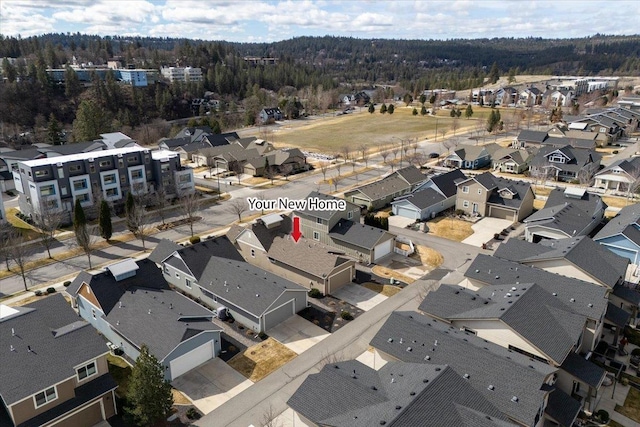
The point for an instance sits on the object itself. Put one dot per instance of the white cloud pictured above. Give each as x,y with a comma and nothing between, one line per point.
134,11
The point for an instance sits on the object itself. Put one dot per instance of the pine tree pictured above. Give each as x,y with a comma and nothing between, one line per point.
79,218
372,109
423,111
53,131
468,112
390,109
104,219
383,109
494,73
415,111
149,394
129,208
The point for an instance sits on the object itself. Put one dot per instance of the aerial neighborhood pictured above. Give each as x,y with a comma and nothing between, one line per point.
284,234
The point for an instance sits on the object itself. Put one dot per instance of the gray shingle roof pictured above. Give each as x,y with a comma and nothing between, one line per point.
583,369
399,395
589,299
629,215
562,408
536,315
306,255
248,287
364,236
446,182
162,251
326,215
196,257
592,258
532,136
382,188
510,373
578,157
617,316
584,143
411,175
423,199
24,373
627,294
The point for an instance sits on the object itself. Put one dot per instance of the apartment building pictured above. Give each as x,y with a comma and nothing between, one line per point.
182,74
105,175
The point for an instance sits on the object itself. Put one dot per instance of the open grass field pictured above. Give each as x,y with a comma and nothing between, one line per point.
330,134
260,360
631,408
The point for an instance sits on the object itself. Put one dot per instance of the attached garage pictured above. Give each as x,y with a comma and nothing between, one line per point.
406,212
502,213
279,314
338,280
190,360
89,416
382,249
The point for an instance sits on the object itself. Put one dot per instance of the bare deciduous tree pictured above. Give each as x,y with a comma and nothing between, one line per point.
86,238
270,173
339,166
345,153
335,181
47,220
160,200
6,231
286,170
238,207
455,125
269,418
19,251
364,153
395,149
585,175
324,166
189,206
140,223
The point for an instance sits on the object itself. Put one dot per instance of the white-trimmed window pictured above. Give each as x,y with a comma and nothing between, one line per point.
87,371
136,174
465,189
48,190
105,163
109,179
83,197
45,396
112,192
41,172
187,282
465,203
75,168
318,220
349,215
316,235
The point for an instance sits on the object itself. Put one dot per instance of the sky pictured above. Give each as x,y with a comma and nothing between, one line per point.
268,21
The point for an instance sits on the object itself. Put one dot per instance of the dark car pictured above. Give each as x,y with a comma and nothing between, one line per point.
433,155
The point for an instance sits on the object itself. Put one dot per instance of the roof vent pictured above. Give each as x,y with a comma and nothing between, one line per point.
149,312
508,294
435,343
466,376
257,295
12,348
497,277
401,341
572,300
514,289
119,304
170,306
555,294
590,305
374,388
514,399
409,349
390,340
413,393
427,357
393,380
398,407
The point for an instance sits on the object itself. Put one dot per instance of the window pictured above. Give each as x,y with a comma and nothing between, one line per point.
166,270
48,190
112,192
319,220
465,189
93,313
131,159
465,203
177,276
92,168
165,167
120,163
187,283
184,178
45,396
316,235
253,253
136,174
123,178
105,163
87,371
479,190
556,158
80,185
75,168
109,179
349,215
82,197
471,331
41,172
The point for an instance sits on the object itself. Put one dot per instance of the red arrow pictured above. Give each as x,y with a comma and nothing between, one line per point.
296,233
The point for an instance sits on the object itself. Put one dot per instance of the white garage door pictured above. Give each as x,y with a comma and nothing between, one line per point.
188,361
406,212
382,249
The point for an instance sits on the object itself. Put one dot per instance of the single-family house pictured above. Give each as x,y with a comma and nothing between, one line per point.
561,130
269,115
497,373
569,212
529,138
187,151
620,176
471,156
267,244
565,163
379,194
599,123
621,235
282,162
216,273
131,304
488,195
558,97
341,229
577,257
529,97
351,394
506,96
512,160
430,198
54,367
527,319
585,298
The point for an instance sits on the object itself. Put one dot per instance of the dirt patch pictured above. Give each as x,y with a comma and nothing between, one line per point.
616,202
450,228
386,290
428,256
539,204
631,408
385,213
389,273
260,360
255,180
541,191
179,398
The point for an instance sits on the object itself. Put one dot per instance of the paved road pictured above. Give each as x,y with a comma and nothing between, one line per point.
347,343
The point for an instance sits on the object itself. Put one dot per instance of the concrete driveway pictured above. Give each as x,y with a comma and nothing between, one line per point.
400,221
211,384
484,230
298,334
363,298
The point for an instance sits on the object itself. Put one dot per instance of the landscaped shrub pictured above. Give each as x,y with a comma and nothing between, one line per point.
193,414
459,212
346,315
51,290
315,293
38,293
66,284
194,240
263,336
602,415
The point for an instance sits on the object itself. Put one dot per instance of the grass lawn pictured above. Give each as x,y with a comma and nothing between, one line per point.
450,228
25,229
538,204
389,273
330,134
258,361
386,290
631,408
428,256
617,202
